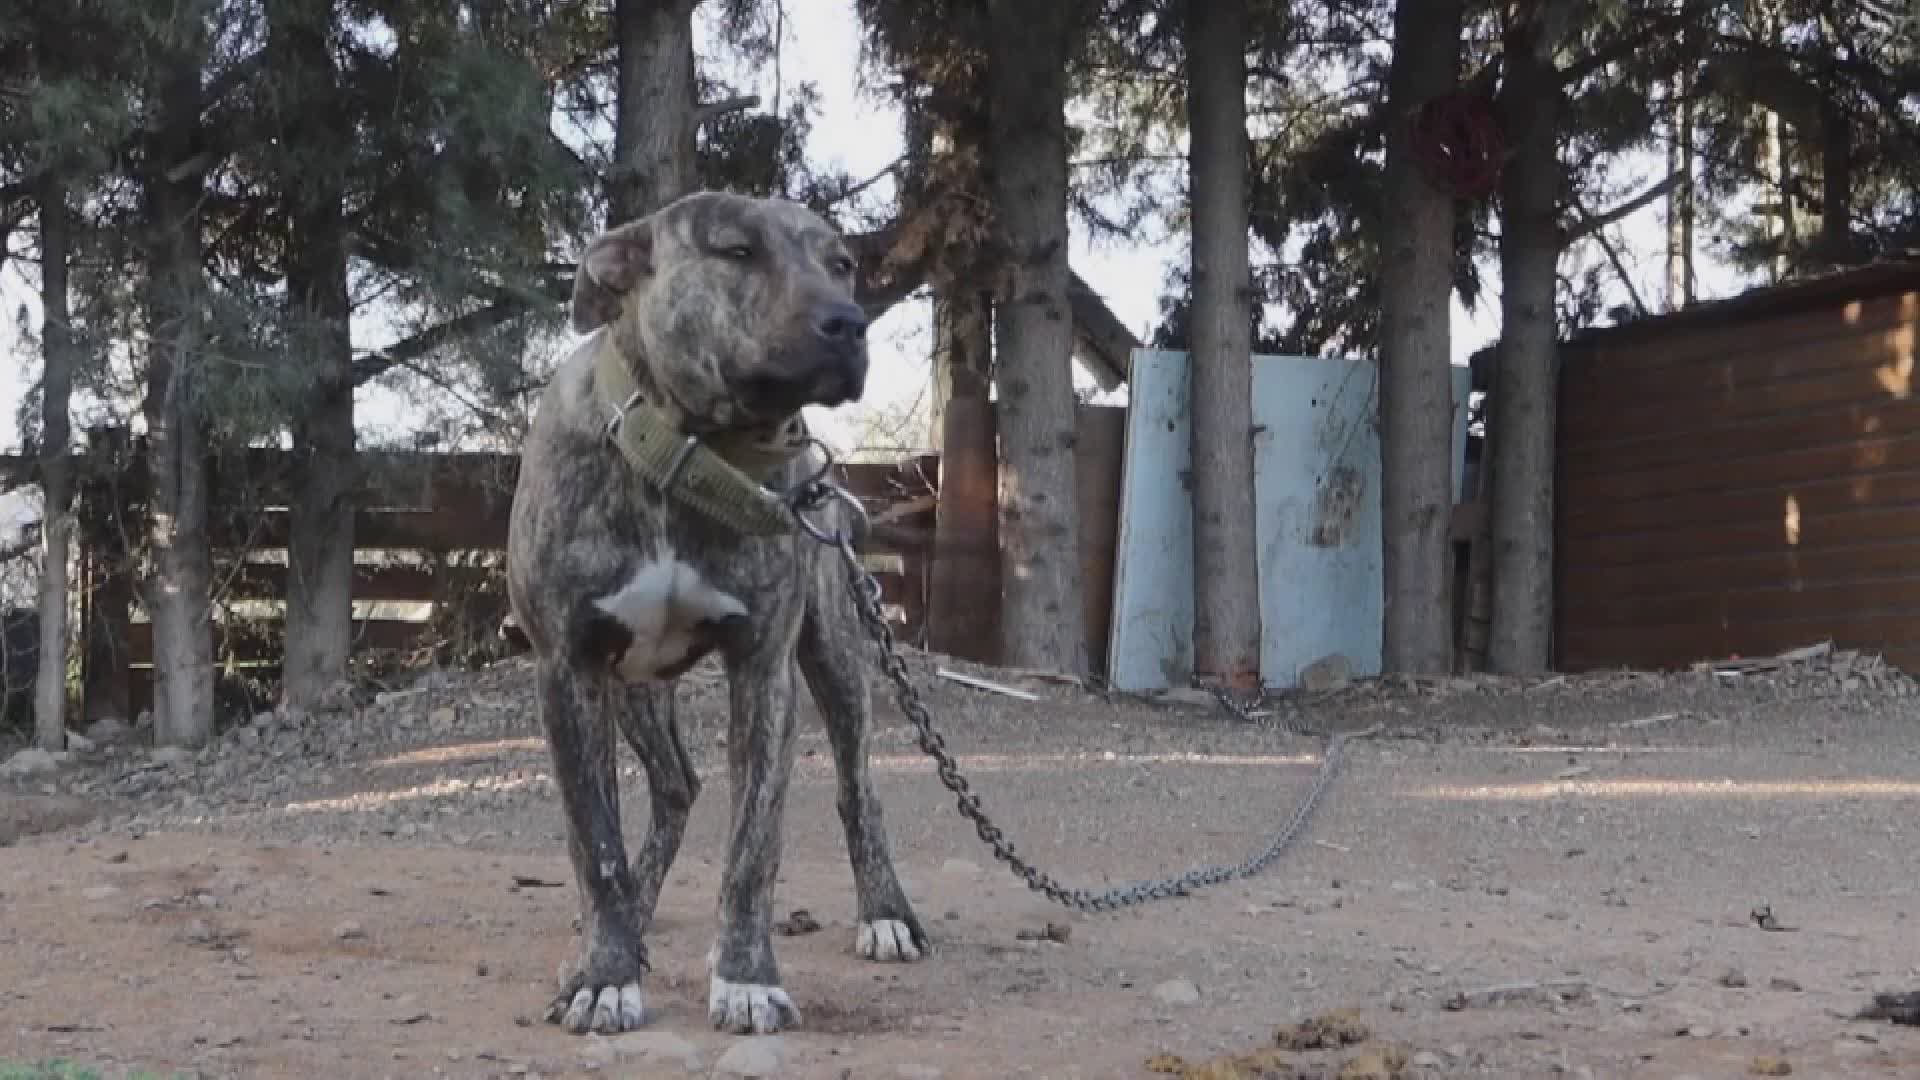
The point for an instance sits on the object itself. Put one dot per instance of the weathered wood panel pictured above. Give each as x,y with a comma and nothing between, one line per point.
1743,485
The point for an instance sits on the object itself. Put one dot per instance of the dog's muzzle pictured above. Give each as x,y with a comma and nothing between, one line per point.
829,369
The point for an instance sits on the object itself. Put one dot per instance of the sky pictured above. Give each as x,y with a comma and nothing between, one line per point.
858,132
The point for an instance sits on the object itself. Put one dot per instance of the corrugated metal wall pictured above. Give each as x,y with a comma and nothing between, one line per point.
1743,482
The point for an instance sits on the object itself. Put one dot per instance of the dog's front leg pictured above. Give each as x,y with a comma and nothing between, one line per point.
744,993
600,990
653,730
831,658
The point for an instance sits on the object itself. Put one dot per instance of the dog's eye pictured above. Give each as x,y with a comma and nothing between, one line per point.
739,252
842,265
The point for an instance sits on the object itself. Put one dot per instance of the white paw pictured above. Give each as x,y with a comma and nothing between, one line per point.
608,1011
749,1008
886,940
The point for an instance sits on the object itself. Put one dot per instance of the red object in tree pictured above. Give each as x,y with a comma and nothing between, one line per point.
1456,138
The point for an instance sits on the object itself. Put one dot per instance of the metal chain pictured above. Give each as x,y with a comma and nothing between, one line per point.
866,595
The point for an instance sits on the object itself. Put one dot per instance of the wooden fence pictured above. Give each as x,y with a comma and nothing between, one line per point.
430,545
1744,477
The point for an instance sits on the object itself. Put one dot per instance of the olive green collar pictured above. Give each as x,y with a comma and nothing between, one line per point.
719,476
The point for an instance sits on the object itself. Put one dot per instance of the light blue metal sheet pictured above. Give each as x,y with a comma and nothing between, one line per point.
1150,641
1316,503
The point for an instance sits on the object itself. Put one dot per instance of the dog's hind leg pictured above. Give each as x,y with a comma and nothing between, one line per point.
744,993
831,656
648,720
600,991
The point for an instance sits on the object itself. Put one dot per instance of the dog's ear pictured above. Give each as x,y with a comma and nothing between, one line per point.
615,262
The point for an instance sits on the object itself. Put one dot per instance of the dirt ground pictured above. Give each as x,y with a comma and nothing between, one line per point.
1550,879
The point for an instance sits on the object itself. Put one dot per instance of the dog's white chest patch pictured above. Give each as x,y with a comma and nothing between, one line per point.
668,607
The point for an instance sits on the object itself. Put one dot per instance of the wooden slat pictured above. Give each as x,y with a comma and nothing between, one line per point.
1761,348
1791,465
1599,518
1706,575
1734,446
367,634
1659,415
268,581
1872,524
1675,645
1830,600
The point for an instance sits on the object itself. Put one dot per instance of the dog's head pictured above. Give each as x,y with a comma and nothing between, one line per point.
743,308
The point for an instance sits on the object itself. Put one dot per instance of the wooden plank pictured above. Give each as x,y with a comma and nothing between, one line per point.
1676,645
1825,532
432,530
1684,354
1584,427
1789,466
1099,455
1599,518
268,581
1732,445
367,634
1708,574
963,593
1900,596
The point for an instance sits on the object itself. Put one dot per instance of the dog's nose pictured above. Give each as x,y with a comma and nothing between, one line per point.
840,323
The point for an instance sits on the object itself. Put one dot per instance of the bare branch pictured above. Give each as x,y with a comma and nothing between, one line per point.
406,351
706,112
1592,223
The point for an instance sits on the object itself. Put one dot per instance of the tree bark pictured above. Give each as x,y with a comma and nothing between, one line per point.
654,123
1416,391
56,465
324,474
180,574
1226,625
1526,379
1041,623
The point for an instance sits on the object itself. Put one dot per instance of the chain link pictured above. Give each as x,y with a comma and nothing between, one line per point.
866,595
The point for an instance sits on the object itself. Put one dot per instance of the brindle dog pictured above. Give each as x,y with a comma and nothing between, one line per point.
727,314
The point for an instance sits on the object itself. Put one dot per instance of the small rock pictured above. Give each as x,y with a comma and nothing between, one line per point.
107,729
78,743
100,892
960,867
642,1046
1784,984
199,932
1427,1059
1769,1065
1734,979
30,762
350,931
755,1056
1331,672
170,755
1188,695
442,719
1177,992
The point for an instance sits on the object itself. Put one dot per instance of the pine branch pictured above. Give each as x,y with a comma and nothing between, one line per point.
1592,223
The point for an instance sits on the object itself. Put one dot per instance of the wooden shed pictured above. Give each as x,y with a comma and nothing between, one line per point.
1743,477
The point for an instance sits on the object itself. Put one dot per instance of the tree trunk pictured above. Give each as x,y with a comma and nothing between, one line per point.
1836,181
1226,602
962,348
319,618
1527,377
1680,201
56,466
180,575
1416,386
653,141
1040,614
